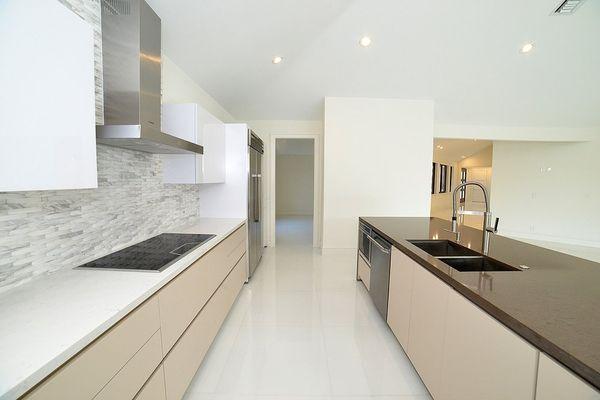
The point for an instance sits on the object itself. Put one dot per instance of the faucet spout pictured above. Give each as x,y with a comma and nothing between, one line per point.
487,229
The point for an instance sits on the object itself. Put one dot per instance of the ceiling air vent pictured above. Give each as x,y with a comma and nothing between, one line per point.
568,7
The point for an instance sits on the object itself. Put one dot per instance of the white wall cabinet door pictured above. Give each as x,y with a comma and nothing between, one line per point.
47,107
482,358
402,271
556,383
191,122
426,328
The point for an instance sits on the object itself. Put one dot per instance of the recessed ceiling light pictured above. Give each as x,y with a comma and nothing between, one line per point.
526,48
277,60
463,156
365,41
440,147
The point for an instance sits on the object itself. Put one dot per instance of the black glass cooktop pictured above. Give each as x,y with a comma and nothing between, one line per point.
154,254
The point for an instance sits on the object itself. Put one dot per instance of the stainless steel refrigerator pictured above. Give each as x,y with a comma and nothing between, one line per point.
255,246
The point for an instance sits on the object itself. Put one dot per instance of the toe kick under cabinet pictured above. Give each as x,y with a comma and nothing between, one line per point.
154,351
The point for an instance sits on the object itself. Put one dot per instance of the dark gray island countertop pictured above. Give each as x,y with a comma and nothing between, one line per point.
555,305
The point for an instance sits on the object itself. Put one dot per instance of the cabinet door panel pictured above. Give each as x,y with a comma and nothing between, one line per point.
426,328
87,373
557,383
154,389
134,374
364,272
186,356
47,107
181,300
482,358
402,270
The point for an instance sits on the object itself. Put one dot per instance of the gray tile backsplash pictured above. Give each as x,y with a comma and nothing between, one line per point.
44,231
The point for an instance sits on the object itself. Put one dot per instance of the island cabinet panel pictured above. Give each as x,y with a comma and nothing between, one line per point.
185,357
426,327
182,299
557,383
483,359
364,272
154,389
84,376
402,270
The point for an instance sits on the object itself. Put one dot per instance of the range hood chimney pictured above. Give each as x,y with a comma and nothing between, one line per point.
131,58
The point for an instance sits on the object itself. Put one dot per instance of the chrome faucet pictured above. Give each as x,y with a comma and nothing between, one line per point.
487,215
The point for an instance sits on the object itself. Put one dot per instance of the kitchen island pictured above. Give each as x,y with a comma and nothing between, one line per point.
551,300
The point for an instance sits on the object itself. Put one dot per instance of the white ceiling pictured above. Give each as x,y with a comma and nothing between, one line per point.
463,54
455,150
295,147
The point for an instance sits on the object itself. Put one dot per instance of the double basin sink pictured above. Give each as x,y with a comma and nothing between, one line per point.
461,258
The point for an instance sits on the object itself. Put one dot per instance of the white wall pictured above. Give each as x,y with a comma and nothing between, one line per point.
267,128
560,204
529,133
294,184
178,87
377,162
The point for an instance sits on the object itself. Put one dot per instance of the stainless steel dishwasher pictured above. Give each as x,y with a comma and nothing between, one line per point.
381,251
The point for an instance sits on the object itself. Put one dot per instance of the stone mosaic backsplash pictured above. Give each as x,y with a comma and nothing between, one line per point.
45,231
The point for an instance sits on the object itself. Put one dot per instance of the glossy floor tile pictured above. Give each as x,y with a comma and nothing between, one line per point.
294,230
304,328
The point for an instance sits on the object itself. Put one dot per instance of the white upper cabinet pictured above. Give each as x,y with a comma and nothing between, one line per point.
193,123
47,106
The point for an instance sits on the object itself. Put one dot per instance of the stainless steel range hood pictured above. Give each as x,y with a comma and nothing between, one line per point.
131,59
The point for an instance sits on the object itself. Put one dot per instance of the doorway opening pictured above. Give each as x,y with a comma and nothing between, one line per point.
294,191
457,161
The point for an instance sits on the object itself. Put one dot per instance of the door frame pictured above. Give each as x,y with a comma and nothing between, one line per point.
316,185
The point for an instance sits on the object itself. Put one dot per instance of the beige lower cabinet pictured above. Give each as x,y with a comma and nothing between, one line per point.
187,354
86,374
181,300
402,271
426,327
554,382
131,360
134,374
154,389
364,272
482,359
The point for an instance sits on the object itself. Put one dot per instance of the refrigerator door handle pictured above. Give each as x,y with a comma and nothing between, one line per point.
256,206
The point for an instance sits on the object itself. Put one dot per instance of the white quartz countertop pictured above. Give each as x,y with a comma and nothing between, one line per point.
45,322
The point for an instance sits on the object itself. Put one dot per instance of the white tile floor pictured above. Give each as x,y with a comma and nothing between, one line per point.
304,328
294,230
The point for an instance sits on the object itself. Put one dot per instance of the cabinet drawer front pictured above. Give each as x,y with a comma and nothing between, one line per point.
154,389
186,356
134,374
401,285
87,373
182,299
364,272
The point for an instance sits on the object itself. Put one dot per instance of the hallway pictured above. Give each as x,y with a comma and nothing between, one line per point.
294,230
304,328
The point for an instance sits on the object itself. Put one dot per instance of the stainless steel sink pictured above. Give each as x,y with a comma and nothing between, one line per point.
443,248
476,263
460,257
